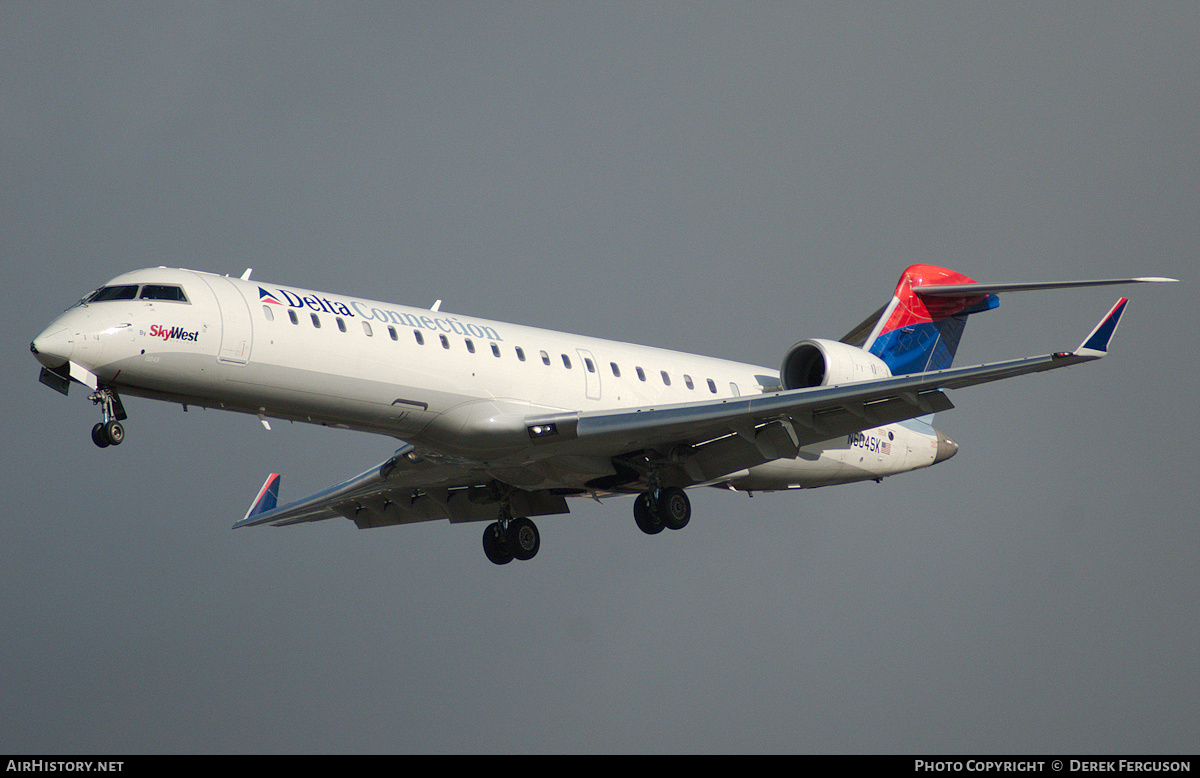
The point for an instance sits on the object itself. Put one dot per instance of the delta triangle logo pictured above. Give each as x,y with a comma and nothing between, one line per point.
266,297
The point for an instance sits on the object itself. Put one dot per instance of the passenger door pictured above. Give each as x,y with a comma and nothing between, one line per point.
236,331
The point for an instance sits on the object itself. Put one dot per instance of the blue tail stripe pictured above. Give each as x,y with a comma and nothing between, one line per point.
920,347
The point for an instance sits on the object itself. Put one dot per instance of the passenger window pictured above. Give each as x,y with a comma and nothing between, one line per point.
392,333
268,313
666,378
687,381
445,341
588,364
616,370
641,374
367,328
470,345
341,323
495,351
316,321
712,387
520,354
292,315
420,338
566,362
545,358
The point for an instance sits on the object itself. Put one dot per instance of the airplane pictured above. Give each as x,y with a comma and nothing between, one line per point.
498,422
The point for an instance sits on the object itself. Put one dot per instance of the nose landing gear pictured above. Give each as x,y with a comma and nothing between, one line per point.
108,432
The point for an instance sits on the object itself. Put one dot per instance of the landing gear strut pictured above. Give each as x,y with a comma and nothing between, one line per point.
108,432
508,539
660,508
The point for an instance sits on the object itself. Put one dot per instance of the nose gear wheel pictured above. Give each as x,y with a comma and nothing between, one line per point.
108,432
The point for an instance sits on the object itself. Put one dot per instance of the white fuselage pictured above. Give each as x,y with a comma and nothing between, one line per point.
455,384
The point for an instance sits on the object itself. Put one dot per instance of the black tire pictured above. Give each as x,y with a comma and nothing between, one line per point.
114,432
98,436
495,545
523,539
647,519
674,508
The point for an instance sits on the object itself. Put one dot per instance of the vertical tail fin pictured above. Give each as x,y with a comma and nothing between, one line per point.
916,332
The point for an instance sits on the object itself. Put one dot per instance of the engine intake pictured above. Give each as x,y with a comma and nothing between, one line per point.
818,362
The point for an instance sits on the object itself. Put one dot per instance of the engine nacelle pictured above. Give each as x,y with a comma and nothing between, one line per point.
818,362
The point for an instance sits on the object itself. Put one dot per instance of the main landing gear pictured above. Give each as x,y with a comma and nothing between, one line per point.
108,432
508,539
656,509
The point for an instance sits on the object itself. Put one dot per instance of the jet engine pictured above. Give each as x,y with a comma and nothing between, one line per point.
818,362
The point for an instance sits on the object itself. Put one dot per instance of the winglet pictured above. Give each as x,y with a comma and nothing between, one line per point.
1096,344
267,499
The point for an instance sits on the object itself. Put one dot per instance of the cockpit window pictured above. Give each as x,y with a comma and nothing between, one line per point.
163,292
106,293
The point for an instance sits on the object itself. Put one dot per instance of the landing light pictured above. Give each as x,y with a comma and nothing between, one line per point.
542,430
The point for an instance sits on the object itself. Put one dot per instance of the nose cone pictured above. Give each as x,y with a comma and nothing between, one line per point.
946,448
53,348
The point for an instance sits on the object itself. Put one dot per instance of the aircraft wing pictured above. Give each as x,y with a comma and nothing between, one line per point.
413,485
702,441
710,439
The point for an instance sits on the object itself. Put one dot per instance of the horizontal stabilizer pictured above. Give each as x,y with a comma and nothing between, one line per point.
920,329
961,290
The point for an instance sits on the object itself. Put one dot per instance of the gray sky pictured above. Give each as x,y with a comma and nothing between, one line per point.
726,179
